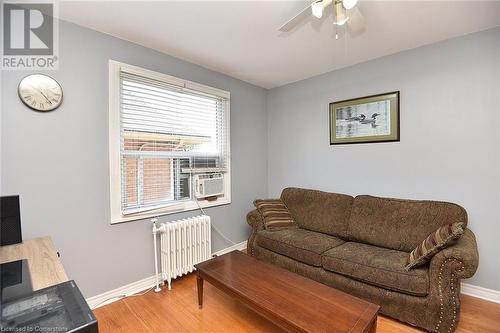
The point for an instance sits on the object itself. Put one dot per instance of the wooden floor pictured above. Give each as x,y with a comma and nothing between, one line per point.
177,311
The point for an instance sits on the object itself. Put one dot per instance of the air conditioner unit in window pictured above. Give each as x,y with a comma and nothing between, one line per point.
208,185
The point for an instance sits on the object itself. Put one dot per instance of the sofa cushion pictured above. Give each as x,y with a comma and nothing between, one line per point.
377,266
302,245
319,211
435,242
276,215
399,224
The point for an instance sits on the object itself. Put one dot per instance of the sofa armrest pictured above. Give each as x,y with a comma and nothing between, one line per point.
256,221
447,268
462,257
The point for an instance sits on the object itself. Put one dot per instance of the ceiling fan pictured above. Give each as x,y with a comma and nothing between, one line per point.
345,12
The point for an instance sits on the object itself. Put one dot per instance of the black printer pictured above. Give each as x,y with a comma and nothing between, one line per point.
58,308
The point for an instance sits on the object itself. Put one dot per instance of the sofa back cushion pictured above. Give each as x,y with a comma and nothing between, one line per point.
318,211
399,224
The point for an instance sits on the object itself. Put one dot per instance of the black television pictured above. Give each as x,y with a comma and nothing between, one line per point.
10,220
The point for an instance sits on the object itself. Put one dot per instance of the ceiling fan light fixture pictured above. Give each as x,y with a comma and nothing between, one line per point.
340,14
317,9
349,4
341,22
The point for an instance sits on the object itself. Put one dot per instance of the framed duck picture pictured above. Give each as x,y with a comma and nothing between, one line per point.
365,120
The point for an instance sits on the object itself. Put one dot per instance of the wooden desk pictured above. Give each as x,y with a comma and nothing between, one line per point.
45,266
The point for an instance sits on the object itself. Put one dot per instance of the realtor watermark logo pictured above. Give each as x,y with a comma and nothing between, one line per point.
30,35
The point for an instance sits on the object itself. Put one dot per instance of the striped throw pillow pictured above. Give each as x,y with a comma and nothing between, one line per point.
435,242
276,215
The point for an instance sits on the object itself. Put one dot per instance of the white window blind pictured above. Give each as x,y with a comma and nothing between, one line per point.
167,133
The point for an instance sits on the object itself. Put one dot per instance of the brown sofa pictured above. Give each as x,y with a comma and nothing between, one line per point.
360,245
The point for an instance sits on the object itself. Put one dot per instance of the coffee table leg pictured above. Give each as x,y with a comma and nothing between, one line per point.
373,329
199,282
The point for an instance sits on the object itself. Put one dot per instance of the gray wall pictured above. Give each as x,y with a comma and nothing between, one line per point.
449,147
58,162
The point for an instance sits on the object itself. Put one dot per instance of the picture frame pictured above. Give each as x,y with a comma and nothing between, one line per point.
368,119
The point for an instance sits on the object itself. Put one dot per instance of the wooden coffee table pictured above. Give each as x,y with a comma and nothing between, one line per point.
291,301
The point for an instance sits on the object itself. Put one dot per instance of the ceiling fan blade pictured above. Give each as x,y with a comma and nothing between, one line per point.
294,21
356,22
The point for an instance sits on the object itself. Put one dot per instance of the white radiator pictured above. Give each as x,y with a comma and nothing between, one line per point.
183,244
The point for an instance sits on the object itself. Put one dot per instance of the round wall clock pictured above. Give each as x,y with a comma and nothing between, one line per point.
40,92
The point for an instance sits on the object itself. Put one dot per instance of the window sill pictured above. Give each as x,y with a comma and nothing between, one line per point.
174,209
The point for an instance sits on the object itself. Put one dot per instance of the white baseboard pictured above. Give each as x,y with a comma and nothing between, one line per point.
480,292
118,293
240,246
141,285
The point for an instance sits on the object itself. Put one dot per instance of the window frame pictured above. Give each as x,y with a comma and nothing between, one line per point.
115,68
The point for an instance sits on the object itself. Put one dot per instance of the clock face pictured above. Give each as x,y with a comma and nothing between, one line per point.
40,92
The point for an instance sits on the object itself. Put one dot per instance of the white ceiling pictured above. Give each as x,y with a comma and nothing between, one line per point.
240,38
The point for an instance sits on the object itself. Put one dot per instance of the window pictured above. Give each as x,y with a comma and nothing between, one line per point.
165,135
